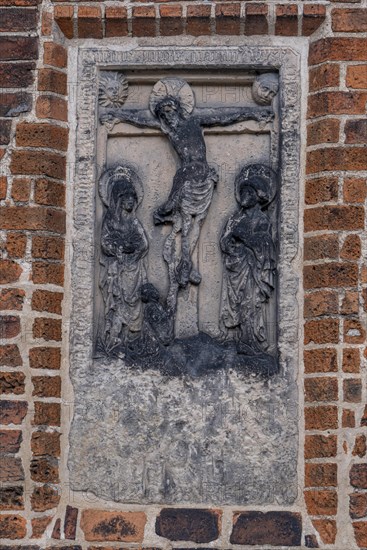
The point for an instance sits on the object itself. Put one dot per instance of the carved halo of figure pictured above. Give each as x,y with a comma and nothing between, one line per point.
249,261
265,88
124,245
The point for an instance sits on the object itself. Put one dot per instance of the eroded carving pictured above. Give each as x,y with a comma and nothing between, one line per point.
265,88
124,245
249,260
113,89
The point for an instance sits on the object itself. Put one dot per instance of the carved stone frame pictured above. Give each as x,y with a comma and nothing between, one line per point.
90,60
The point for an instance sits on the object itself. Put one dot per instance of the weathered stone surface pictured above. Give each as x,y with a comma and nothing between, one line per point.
195,434
99,525
188,524
273,528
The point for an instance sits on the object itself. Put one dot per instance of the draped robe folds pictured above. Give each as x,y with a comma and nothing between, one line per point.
248,276
124,244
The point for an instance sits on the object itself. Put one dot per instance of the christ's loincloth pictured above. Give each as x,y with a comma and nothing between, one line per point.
196,195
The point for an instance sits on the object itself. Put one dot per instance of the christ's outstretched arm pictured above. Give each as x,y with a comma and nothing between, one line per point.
138,117
224,116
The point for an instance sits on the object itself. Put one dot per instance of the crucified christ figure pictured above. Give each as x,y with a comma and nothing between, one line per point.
172,110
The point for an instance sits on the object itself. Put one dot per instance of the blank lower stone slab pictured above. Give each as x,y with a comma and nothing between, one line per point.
139,436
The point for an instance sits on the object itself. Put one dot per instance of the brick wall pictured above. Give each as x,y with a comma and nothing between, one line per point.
36,510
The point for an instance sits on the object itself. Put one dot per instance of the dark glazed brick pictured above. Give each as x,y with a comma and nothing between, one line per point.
187,524
71,516
311,541
18,47
273,528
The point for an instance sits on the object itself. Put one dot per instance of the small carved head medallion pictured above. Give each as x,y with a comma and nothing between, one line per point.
113,89
265,88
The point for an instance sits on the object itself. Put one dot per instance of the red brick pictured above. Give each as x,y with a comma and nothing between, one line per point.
198,19
45,443
48,247
354,332
348,419
52,107
55,55
171,21
330,275
351,249
45,469
64,17
11,498
116,21
35,162
143,21
358,476
356,131
10,271
18,75
46,328
320,446
5,130
227,18
18,19
10,356
323,189
13,412
323,417
89,22
354,190
39,526
11,469
12,383
352,390
50,80
45,358
338,49
18,48
45,300
323,131
356,76
274,528
46,23
46,386
324,76
16,244
12,527
44,498
336,103
320,360
321,503
3,187
45,272
349,20
313,16
351,360
286,23
12,104
49,193
358,505
56,531
71,516
29,134
334,218
364,417
360,446
256,21
360,533
327,530
21,189
320,247
47,413
10,441
32,218
321,475
100,525
321,389
9,326
321,303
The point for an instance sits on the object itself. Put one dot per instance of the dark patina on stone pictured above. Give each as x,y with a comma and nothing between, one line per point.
275,528
188,524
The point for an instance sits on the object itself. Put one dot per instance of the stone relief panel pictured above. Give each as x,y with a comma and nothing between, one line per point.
185,386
